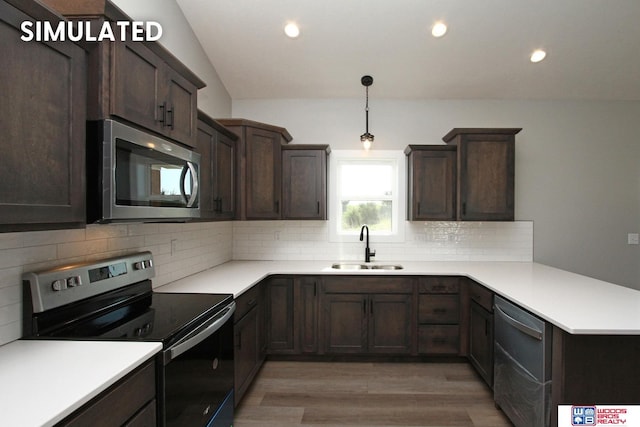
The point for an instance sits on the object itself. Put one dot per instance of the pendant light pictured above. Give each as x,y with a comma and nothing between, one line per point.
366,137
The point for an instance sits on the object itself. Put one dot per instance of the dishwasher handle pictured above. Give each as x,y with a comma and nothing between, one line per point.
191,341
532,332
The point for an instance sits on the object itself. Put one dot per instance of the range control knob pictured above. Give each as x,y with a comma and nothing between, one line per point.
74,281
142,265
58,285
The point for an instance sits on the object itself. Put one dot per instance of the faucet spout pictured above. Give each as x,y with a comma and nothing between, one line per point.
368,253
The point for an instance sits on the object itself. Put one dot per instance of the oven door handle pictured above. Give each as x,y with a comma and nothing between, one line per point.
200,335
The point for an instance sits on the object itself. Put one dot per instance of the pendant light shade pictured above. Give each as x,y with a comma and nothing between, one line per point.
366,137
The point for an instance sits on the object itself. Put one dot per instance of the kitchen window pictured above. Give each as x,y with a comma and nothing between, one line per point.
367,188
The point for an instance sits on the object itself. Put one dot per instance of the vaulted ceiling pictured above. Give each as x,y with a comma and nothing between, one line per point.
593,48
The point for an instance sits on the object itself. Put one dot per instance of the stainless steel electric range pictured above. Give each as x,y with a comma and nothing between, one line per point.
112,299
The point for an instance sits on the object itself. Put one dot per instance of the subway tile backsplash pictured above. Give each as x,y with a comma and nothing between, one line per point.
424,241
180,250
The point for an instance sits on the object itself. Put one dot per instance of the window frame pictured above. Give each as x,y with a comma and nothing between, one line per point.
399,198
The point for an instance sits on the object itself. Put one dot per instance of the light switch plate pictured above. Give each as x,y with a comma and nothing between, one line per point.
633,238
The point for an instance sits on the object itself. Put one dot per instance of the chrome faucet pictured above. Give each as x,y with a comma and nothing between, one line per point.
368,253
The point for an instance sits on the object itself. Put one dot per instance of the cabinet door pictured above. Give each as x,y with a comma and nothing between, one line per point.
432,185
263,174
306,300
246,355
42,123
181,107
224,177
304,184
280,318
205,147
137,91
486,186
345,323
390,323
481,341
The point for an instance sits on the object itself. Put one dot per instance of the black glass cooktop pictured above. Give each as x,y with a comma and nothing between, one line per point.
153,316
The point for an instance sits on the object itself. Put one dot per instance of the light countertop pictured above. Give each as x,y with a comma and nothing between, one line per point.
44,381
575,303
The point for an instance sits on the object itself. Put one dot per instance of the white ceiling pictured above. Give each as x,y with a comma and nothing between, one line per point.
593,48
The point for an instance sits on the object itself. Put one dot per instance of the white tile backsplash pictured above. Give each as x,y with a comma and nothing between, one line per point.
424,241
180,250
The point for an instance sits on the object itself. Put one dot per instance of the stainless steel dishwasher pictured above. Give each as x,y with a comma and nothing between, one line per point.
522,365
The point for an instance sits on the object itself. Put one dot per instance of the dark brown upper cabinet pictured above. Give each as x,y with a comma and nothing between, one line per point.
469,179
42,123
139,82
486,172
304,181
259,168
432,182
217,148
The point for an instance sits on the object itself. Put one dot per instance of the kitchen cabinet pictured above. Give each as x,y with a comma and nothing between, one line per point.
481,330
439,316
368,315
248,333
217,148
304,181
485,172
130,402
43,110
259,168
306,299
432,182
139,82
279,293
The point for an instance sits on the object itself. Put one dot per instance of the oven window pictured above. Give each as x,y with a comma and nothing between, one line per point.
147,177
198,384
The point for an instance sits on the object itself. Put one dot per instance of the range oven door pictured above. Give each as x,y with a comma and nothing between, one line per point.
197,376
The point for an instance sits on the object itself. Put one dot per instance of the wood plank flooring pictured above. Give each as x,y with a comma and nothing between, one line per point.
287,394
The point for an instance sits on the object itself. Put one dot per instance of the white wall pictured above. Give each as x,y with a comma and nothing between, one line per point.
180,40
577,163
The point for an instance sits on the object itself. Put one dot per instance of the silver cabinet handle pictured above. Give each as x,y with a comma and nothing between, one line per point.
193,340
533,333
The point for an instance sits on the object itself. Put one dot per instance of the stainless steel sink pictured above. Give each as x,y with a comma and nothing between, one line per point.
386,267
349,266
358,266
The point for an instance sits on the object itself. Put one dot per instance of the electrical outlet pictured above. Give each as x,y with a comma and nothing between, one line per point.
633,238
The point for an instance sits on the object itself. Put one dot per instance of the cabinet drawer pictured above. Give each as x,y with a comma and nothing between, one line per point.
121,403
367,285
246,302
481,295
439,285
440,339
439,309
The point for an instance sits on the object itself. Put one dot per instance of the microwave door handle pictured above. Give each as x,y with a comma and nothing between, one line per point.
194,179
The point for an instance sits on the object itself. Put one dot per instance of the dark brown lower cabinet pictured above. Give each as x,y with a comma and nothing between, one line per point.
481,331
368,315
439,316
306,296
130,402
248,338
280,315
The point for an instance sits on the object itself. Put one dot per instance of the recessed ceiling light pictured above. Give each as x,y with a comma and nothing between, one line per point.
538,55
439,29
292,30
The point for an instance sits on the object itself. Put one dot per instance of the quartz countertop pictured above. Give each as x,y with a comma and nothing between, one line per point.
575,303
44,381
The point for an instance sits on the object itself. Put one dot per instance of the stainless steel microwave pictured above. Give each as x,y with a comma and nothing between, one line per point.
135,176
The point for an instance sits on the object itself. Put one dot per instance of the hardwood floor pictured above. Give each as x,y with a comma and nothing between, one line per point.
287,394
